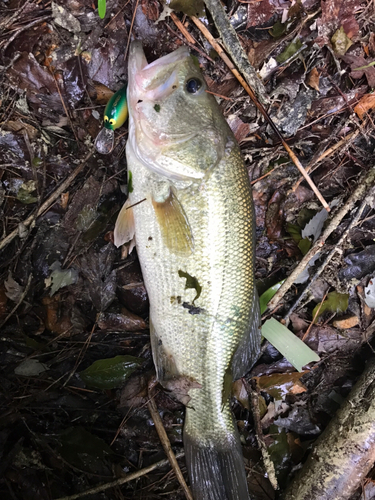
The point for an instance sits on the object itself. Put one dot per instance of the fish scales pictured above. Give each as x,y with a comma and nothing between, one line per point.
204,312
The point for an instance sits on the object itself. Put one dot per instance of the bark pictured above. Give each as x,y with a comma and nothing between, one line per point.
345,452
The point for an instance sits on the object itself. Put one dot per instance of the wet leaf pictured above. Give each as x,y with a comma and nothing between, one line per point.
278,29
295,231
30,368
291,49
25,195
341,42
125,321
335,302
240,393
346,323
290,346
365,105
61,277
267,296
14,291
304,245
279,385
360,66
110,373
359,264
84,450
313,79
188,7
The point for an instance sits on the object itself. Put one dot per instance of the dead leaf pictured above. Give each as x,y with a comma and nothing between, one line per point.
313,79
365,104
14,291
64,200
240,393
341,42
180,387
126,321
357,62
344,324
280,384
240,129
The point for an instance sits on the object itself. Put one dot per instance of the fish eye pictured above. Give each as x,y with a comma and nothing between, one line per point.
112,121
105,119
193,85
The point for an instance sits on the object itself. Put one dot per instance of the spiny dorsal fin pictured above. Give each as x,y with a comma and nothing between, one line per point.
174,225
124,227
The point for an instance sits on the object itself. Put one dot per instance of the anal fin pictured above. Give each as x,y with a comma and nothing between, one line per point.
167,373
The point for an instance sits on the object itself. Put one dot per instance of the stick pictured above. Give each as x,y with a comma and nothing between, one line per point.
122,480
166,443
182,28
345,452
49,201
259,105
367,180
234,48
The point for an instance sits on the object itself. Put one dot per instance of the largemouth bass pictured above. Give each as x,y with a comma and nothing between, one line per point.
190,210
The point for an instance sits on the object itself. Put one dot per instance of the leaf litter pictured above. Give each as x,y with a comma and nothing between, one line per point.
317,68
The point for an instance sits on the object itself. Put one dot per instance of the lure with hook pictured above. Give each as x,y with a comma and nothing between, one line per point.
115,115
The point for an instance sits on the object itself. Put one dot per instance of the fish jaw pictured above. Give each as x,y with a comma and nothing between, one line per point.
155,92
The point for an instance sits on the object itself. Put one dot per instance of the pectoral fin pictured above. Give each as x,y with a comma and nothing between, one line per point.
124,228
174,225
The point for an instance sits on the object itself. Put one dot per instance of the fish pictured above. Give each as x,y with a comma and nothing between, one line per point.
190,212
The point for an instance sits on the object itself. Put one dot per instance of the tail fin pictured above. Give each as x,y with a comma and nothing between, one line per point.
216,470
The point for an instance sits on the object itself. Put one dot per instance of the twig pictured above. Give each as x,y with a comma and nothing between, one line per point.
268,464
166,443
122,480
131,29
49,201
314,163
24,28
182,28
258,104
27,287
234,48
367,180
305,335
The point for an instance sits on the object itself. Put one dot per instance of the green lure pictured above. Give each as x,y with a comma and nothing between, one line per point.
116,111
115,115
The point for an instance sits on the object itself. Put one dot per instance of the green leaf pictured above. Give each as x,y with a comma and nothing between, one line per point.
295,231
278,29
304,245
335,302
267,296
341,42
111,372
101,8
25,195
290,346
291,49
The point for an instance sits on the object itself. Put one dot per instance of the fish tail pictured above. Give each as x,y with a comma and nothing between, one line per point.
216,469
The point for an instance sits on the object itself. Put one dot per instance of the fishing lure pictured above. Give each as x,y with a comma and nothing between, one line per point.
115,115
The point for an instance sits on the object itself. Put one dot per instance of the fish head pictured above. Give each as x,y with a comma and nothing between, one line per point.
176,128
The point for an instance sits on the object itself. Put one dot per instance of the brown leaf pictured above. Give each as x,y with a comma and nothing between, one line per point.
238,127
280,384
274,216
126,321
365,104
360,62
344,324
240,393
313,79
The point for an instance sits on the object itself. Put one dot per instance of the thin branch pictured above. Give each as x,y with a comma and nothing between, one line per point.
151,405
122,480
49,201
260,106
367,180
